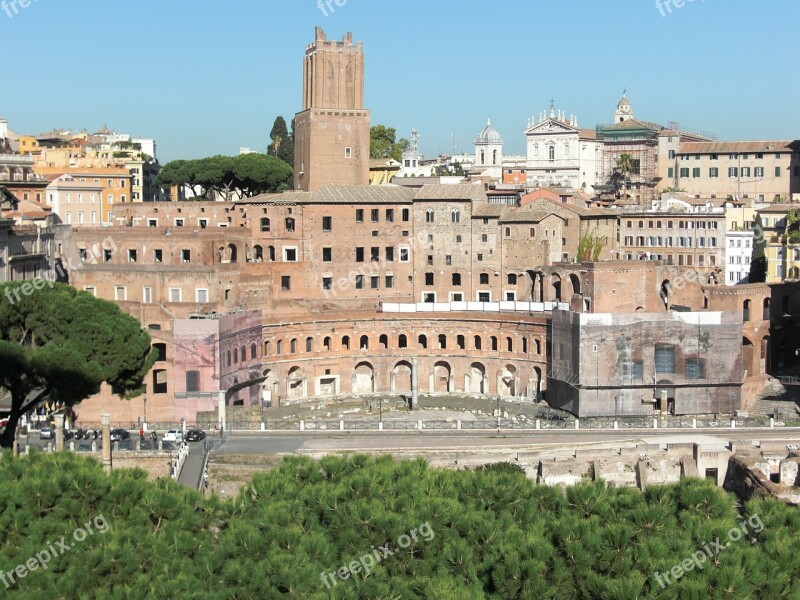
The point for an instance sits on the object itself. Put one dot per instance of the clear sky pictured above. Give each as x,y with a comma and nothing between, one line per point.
205,77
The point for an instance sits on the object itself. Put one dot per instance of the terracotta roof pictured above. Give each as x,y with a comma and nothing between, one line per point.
362,194
382,163
528,215
490,210
778,208
632,124
461,191
588,134
738,147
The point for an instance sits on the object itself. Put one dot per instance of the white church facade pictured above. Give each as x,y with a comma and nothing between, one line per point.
561,154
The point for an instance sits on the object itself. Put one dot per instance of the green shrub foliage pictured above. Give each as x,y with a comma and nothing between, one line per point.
496,534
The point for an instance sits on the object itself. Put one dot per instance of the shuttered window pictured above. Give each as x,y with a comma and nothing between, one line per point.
665,358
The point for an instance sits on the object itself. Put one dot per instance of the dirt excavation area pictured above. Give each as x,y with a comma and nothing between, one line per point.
228,473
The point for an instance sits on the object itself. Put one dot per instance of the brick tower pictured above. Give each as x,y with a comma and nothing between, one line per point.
332,131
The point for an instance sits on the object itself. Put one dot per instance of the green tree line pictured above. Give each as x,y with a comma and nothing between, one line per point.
497,535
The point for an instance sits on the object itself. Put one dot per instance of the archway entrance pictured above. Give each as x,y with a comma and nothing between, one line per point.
477,379
401,378
364,379
441,377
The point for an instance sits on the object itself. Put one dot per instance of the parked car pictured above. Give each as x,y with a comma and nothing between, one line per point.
117,435
46,433
195,435
173,435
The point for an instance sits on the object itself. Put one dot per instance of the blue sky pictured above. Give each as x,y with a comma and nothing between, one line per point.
206,77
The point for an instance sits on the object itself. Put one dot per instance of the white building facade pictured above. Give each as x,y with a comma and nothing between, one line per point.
560,153
738,252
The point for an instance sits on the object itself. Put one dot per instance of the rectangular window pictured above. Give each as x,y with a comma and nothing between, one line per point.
428,278
390,215
696,172
671,172
359,254
713,172
665,358
758,171
745,171
186,255
120,293
695,368
374,215
201,295
389,282
290,255
359,282
158,255
406,214
327,254
286,283
147,295
389,253
404,254
327,283
777,171
374,254
374,282
348,152
359,215
684,172
733,172
132,255
327,223
174,294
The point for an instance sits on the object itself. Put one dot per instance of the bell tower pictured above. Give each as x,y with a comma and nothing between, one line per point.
332,130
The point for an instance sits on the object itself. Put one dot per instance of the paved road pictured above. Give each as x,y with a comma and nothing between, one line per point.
265,444
193,467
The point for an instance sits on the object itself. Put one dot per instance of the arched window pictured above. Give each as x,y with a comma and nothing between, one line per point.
477,342
326,343
429,216
423,341
494,157
455,216
533,231
508,231
253,350
229,358
271,251
494,343
552,152
765,316
235,356
442,341
279,347
265,225
289,224
244,354
346,342
266,348
483,158
402,341
524,345
746,310
309,344
258,253
509,344
383,341
293,346
364,343
461,341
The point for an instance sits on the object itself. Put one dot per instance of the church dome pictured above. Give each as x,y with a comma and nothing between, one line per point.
488,135
623,102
